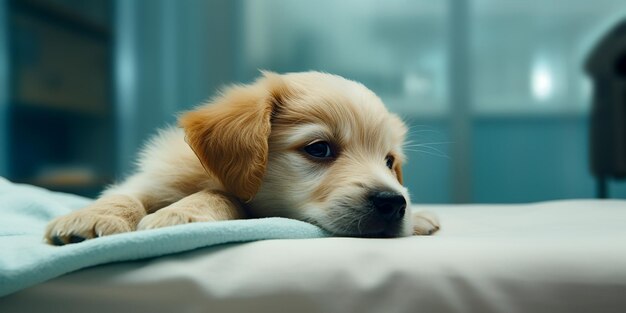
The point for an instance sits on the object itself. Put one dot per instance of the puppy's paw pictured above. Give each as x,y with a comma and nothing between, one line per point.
108,215
82,225
425,223
169,217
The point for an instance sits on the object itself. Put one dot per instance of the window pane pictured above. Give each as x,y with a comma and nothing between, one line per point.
527,56
396,48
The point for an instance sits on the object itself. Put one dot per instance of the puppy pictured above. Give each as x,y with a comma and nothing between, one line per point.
309,146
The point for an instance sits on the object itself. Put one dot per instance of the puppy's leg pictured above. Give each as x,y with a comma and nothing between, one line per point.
108,215
202,206
168,171
425,223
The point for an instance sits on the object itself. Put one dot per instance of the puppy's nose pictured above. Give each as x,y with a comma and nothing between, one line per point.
390,205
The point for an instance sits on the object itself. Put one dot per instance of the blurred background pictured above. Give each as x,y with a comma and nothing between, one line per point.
495,92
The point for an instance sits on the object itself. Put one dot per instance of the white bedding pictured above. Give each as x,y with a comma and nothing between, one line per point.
565,256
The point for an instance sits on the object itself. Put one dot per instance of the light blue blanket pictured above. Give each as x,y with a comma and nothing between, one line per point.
26,260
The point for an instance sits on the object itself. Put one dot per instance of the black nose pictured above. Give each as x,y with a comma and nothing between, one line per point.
390,205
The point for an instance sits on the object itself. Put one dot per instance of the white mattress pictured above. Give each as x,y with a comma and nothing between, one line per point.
566,256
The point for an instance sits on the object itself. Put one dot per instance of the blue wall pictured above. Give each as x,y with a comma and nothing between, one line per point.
529,160
513,160
4,82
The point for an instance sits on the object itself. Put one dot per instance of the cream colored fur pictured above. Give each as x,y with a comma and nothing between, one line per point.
241,155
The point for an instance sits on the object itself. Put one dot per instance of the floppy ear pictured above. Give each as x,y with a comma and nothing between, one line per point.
399,131
397,168
230,134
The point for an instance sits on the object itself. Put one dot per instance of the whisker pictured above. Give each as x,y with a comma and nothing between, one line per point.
358,225
429,143
431,153
430,148
418,131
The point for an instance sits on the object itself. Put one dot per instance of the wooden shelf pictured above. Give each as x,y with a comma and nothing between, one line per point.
60,112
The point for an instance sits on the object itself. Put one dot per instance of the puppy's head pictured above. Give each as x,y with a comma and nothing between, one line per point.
310,146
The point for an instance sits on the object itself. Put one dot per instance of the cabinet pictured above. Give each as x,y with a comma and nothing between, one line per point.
60,113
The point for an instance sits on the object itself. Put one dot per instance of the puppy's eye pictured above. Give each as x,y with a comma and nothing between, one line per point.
389,160
319,149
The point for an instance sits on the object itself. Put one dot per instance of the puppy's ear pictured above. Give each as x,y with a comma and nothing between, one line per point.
397,168
230,134
399,131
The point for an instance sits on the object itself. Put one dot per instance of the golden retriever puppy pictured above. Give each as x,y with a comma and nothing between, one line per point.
309,146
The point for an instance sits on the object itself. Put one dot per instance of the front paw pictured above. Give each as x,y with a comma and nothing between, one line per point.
84,224
425,223
169,217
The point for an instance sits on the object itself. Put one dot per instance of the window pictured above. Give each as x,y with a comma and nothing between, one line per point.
396,48
528,56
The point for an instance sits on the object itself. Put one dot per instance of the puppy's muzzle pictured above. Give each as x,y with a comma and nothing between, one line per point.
390,206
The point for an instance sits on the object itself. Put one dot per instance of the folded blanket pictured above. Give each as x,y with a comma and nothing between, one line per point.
25,259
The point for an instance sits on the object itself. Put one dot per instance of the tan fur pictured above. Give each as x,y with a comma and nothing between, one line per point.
202,206
244,157
106,216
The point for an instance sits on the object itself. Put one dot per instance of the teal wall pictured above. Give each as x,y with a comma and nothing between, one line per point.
513,160
4,88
